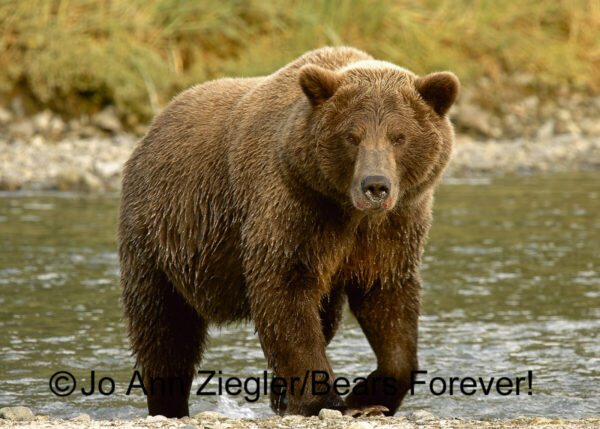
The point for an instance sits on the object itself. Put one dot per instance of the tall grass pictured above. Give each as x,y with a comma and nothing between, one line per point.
77,55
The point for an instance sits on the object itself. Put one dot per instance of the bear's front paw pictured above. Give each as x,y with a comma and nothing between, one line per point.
375,395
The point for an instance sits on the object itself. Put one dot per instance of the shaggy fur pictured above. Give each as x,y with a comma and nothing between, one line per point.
273,199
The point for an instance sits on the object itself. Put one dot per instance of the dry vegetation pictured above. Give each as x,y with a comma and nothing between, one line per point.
79,55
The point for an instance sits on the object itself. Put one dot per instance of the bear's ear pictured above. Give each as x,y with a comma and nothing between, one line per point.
318,83
439,90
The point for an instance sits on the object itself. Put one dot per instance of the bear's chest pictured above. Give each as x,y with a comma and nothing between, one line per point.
382,253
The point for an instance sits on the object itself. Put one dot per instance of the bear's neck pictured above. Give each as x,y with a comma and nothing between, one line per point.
300,170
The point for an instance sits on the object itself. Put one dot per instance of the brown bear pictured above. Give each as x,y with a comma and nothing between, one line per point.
273,199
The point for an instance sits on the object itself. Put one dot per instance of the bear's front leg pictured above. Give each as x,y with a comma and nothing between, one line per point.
388,315
288,322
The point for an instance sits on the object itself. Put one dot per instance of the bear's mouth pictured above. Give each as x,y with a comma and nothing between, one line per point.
372,205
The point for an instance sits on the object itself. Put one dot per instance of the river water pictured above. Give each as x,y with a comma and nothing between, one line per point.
511,285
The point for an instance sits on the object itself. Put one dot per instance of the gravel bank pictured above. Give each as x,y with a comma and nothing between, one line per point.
94,164
211,420
91,164
526,134
566,152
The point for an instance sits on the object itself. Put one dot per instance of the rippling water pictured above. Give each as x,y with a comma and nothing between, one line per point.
511,284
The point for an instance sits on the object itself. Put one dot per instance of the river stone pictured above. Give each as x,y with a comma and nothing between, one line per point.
421,416
37,142
5,116
291,419
209,415
475,118
531,103
590,126
107,120
157,418
41,121
16,413
546,131
91,183
359,425
326,414
68,179
542,421
88,131
55,128
10,183
82,418
108,168
23,130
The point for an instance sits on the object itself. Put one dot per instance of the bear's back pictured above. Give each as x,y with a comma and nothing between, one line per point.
179,165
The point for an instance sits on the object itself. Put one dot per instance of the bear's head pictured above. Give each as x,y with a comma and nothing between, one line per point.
382,134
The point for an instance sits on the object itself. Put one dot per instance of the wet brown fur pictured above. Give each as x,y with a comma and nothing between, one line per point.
237,205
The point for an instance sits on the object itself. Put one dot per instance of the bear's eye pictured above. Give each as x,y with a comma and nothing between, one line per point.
398,140
350,139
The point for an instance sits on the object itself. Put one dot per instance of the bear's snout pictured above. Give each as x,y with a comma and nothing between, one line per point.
376,188
374,193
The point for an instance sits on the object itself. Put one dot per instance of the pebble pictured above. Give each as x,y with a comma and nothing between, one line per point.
41,121
290,418
421,416
210,415
590,126
68,179
108,168
542,421
546,131
16,413
359,425
107,120
157,418
326,414
16,105
82,418
91,183
22,130
5,116
476,119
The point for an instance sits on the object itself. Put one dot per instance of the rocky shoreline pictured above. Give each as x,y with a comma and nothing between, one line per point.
44,152
20,417
94,164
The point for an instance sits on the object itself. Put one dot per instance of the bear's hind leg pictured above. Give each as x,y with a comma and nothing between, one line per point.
167,337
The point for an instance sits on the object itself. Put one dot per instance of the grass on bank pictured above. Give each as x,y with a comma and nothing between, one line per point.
78,55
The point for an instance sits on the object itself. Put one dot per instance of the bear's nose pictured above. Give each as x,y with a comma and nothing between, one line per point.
376,188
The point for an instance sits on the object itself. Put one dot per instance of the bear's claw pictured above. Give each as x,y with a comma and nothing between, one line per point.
369,411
